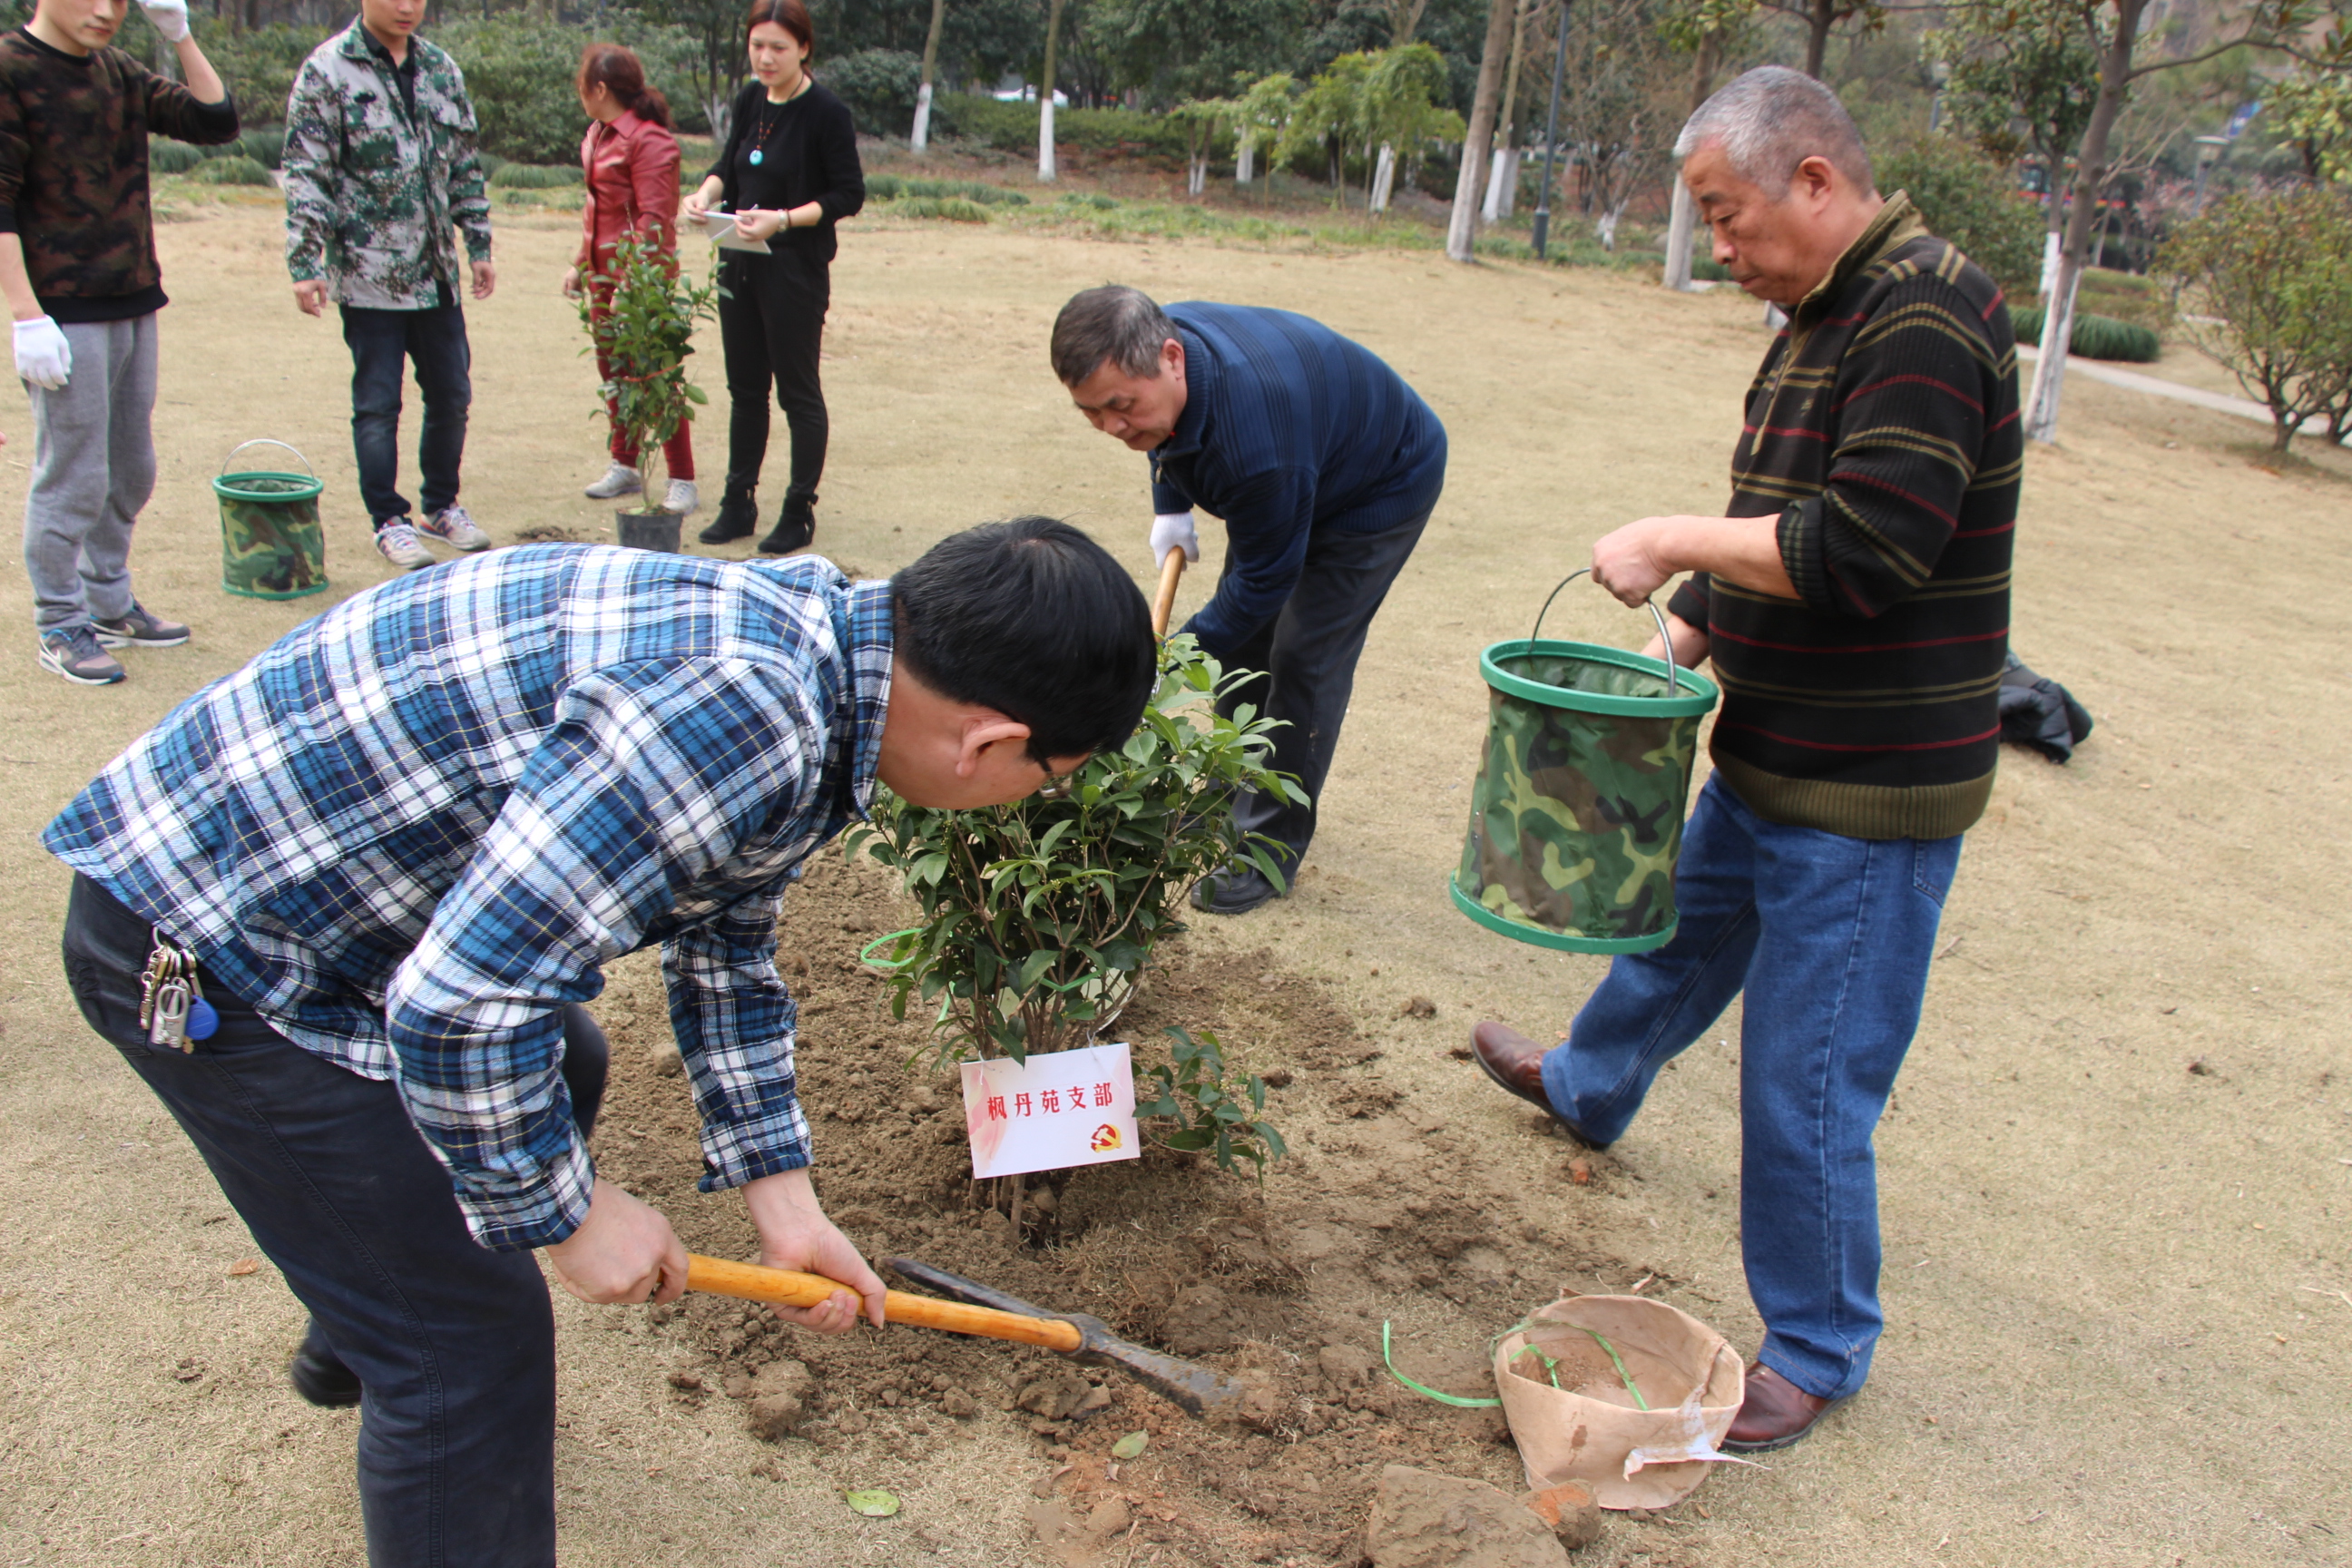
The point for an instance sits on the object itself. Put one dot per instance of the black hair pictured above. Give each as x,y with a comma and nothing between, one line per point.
1113,323
1034,619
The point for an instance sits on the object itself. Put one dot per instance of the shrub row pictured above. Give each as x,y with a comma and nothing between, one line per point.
956,209
535,176
1011,127
264,145
235,170
2095,337
897,187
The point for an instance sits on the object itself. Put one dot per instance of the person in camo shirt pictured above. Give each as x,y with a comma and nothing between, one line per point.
77,264
382,172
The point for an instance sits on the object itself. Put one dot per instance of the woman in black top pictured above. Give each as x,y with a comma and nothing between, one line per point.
789,172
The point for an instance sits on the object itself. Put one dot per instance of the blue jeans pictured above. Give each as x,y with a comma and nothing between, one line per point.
381,343
454,1345
1829,937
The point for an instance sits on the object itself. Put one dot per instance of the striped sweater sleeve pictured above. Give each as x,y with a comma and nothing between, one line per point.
1910,401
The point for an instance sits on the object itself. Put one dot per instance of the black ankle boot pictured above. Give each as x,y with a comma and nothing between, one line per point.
738,518
320,1375
795,529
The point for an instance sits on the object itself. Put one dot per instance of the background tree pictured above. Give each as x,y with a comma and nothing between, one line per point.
1820,19
1330,117
1261,119
922,136
1462,226
2272,274
1710,32
2022,83
1402,111
1170,50
2311,112
1045,80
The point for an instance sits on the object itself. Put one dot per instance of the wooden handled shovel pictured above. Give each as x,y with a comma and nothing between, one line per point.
1198,1389
1171,572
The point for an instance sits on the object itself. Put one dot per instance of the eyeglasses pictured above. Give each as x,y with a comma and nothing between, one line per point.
1057,786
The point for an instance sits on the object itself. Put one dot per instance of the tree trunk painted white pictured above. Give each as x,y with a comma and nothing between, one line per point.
1198,180
1510,198
1384,179
1045,93
1491,209
922,136
1607,227
1046,137
1679,226
2054,242
1462,224
1245,163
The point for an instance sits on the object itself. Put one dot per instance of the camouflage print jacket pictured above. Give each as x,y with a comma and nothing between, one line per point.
373,195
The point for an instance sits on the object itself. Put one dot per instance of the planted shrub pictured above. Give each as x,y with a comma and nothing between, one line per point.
955,209
1966,197
1039,918
234,170
535,176
1212,1110
266,145
645,334
2095,337
165,156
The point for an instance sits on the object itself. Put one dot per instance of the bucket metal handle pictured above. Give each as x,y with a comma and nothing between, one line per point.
266,441
1665,638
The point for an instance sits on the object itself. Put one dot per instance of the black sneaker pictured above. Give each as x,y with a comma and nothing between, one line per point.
738,518
1236,891
319,1375
795,529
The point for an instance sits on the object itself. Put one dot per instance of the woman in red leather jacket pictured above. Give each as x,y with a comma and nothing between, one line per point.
631,160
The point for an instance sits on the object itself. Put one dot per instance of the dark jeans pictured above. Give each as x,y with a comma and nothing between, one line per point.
1308,653
1827,940
771,324
454,1345
381,343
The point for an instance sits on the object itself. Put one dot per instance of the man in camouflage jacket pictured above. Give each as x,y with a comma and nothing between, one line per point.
382,172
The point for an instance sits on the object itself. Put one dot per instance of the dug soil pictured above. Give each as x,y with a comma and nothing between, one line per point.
1383,1212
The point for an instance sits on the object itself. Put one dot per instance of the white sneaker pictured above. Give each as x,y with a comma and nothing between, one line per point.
397,543
683,498
450,525
620,479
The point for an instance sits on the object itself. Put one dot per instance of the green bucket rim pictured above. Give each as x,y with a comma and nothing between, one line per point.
307,487
1699,699
1538,936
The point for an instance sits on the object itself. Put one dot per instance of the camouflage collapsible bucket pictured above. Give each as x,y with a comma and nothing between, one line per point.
272,545
1577,815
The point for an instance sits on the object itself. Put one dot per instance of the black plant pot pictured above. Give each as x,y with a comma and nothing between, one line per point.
650,529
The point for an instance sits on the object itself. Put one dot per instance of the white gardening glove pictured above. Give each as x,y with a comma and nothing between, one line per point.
168,17
43,355
1170,530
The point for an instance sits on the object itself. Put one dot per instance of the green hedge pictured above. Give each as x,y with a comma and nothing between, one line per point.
1011,127
168,157
234,170
2095,337
957,209
899,187
535,176
265,144
879,86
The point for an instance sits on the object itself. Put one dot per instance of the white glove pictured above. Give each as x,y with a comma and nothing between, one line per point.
168,17
43,355
1170,530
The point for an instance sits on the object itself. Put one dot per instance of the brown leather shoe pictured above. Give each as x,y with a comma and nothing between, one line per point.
1776,1413
1516,1062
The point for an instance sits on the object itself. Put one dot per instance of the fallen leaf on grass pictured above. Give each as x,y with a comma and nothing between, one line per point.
243,1267
1128,1447
873,1504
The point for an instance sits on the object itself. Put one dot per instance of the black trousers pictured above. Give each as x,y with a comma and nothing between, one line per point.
1308,655
454,1345
383,343
771,326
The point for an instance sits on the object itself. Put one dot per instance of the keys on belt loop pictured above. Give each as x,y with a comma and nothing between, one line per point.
172,1007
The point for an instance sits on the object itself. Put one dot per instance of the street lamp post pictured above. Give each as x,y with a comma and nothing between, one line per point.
2208,153
1551,136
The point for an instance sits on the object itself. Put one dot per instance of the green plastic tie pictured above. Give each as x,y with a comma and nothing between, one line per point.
1454,1399
1639,1403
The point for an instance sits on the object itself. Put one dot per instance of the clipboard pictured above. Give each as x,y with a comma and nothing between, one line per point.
721,226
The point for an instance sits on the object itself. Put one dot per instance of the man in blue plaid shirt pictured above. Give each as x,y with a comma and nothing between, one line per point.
402,843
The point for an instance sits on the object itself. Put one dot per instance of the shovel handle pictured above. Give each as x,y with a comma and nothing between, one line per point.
1171,572
788,1288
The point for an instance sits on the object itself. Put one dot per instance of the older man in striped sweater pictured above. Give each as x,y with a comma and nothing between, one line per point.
1855,603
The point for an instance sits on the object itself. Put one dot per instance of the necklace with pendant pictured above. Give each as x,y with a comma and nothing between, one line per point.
759,149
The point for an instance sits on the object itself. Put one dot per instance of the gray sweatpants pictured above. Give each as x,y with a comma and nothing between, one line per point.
93,469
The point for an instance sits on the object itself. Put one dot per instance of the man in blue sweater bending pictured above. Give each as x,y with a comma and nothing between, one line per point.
1325,465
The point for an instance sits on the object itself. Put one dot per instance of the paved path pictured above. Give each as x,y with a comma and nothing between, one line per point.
2244,407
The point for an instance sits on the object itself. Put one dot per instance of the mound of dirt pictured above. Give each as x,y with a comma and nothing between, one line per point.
1380,1214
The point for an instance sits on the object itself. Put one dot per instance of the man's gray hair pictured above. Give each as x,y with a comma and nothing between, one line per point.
1113,322
1770,119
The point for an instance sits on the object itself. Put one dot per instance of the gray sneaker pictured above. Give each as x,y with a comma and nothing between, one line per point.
140,628
450,525
620,479
397,543
74,653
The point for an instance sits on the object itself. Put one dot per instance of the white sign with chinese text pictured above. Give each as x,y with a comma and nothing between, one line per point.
1055,1110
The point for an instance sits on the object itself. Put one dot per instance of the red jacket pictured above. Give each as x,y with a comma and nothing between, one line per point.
632,170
